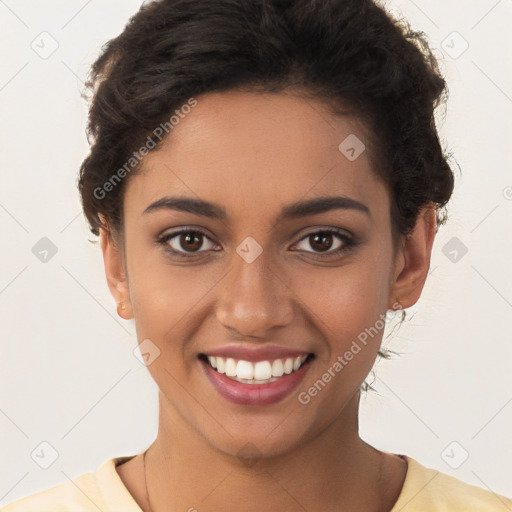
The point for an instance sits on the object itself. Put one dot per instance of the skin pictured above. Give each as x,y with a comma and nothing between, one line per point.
253,154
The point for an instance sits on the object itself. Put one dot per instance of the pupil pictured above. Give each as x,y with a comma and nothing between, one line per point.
326,241
187,238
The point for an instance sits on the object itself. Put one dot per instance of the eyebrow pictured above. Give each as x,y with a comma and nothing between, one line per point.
289,212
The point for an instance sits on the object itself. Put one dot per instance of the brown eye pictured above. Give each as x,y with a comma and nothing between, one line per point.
323,242
186,242
190,241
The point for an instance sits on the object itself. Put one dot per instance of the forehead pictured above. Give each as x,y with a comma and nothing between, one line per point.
250,151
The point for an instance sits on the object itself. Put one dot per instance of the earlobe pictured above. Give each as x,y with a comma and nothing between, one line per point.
413,260
115,273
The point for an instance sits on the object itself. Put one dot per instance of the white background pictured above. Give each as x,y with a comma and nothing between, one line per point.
69,376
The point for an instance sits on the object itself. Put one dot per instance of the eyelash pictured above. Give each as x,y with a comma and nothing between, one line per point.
348,242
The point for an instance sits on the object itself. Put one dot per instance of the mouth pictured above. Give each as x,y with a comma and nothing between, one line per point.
259,372
257,382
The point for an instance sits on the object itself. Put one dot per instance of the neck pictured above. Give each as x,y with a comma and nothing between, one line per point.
334,470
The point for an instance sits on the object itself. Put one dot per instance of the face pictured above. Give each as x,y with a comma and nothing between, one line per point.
254,245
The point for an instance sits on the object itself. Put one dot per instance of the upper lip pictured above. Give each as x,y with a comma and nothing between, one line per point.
268,353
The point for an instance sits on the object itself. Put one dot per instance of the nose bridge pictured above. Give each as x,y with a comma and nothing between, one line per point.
253,298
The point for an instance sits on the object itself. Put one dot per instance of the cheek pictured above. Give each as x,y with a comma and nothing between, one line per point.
168,303
343,302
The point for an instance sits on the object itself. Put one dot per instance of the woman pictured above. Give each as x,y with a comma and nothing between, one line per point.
267,181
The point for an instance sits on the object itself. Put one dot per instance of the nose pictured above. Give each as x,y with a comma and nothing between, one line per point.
254,299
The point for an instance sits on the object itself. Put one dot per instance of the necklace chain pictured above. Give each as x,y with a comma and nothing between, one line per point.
146,481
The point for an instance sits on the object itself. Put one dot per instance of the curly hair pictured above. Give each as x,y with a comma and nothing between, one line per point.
350,54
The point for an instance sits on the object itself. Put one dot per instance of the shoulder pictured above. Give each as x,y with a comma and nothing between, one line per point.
66,497
89,492
429,490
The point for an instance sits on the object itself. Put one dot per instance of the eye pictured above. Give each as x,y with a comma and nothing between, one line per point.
324,242
186,242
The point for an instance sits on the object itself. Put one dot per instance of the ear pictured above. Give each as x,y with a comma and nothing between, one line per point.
115,272
412,261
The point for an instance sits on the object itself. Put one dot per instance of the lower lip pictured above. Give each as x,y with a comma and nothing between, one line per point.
255,394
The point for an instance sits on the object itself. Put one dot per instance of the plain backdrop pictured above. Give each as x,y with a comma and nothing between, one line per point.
69,377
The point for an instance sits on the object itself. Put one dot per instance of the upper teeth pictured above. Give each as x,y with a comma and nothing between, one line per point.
261,370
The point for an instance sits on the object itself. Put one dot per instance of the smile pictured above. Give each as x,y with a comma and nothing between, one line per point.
260,372
257,382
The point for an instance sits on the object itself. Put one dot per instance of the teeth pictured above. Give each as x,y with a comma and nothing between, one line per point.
262,370
221,367
259,372
230,367
244,370
277,368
